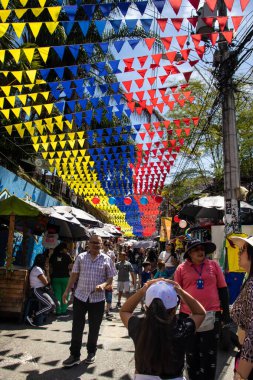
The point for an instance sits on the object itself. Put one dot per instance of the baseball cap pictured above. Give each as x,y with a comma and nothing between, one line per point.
164,291
238,240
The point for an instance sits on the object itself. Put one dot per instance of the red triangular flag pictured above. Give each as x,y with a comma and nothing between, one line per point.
172,142
181,40
162,91
200,50
142,60
171,56
142,135
154,101
193,20
191,98
229,4
181,141
185,53
131,106
151,80
139,82
163,78
129,96
193,63
187,75
228,36
139,110
160,134
171,105
162,22
150,109
166,98
140,94
128,62
222,20
178,132
181,102
142,103
127,84
166,42
187,94
176,4
177,22
208,21
187,121
211,4
187,131
173,88
196,38
166,123
156,58
244,4
157,124
147,126
160,106
151,135
142,72
151,93
194,3
195,120
213,37
176,96
236,21
149,42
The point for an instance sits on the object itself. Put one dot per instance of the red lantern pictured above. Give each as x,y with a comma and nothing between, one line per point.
95,200
128,201
176,219
158,199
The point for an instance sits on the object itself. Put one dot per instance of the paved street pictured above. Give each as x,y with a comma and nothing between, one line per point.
36,353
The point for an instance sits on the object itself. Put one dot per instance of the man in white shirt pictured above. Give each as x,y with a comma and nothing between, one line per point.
169,258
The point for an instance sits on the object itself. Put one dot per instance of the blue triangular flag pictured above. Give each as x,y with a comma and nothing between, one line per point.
92,81
103,88
133,43
134,135
116,25
117,98
107,139
94,101
106,9
100,25
79,91
109,131
115,86
74,50
59,51
128,112
89,49
104,47
86,67
88,116
73,69
99,132
141,5
131,24
99,114
67,25
106,100
71,11
123,7
114,65
89,10
99,139
72,104
83,103
59,71
44,73
146,24
84,26
118,45
60,106
101,68
68,116
159,4
116,138
137,127
91,90
124,137
119,130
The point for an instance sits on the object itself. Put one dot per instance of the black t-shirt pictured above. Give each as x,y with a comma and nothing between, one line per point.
60,265
182,332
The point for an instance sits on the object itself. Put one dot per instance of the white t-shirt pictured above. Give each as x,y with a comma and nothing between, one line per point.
167,258
111,254
35,282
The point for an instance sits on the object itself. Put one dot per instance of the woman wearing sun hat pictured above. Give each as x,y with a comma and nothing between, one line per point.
242,310
159,337
204,280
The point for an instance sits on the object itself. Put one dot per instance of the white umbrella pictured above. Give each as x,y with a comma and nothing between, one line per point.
144,244
81,215
112,229
100,232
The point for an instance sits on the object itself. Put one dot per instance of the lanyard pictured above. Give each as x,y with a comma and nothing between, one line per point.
201,269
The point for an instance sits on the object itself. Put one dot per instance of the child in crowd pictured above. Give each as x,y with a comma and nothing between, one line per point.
124,267
162,272
145,276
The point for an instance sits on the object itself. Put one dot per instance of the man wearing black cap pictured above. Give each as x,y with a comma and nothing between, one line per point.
203,279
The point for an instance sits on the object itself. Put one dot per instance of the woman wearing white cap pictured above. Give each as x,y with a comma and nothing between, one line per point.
242,311
159,337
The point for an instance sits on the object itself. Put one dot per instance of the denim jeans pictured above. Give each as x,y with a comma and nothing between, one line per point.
95,317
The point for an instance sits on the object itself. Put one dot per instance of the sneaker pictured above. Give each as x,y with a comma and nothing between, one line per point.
72,360
30,321
118,304
90,358
109,316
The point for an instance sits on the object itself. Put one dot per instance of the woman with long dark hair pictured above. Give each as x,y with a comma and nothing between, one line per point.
159,337
38,283
242,310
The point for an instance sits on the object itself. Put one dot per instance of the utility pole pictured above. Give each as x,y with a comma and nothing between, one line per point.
225,61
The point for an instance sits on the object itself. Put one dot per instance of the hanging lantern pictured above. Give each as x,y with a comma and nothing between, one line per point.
182,223
95,200
112,201
176,219
128,201
158,199
144,201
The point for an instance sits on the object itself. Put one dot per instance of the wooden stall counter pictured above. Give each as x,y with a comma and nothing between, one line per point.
13,290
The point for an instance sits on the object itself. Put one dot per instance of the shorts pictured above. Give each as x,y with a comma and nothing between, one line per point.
108,296
124,286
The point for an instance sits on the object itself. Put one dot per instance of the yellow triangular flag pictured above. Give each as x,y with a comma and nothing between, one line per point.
5,14
36,147
49,107
51,161
44,51
31,75
29,54
16,54
23,99
61,136
51,26
75,152
45,94
4,3
44,155
60,153
9,129
37,11
60,126
35,28
35,139
52,137
20,130
40,128
58,119
54,145
27,110
6,90
3,28
62,144
82,151
80,134
16,112
67,152
81,142
6,113
20,12
29,127
18,28
54,12
42,3
11,100
34,96
2,55
45,146
50,128
23,2
51,154
17,75
44,138
1,102
71,135
69,123
72,143
38,109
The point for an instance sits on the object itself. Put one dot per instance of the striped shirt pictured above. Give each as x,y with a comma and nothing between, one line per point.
92,273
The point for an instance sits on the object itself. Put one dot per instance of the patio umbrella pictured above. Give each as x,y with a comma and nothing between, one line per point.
100,232
144,244
69,227
112,229
79,214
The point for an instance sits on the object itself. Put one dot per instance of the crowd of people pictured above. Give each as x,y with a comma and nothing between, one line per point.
183,297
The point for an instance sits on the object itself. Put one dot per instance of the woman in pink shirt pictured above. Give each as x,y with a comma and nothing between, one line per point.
203,279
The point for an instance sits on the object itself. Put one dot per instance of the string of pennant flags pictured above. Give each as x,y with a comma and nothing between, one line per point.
85,127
